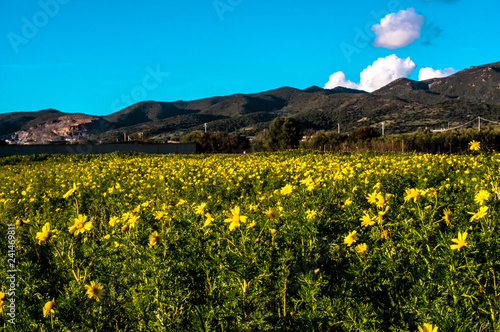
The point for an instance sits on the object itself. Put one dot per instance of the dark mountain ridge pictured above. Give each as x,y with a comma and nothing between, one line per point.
404,105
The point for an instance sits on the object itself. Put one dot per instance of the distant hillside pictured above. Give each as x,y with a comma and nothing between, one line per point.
404,105
12,122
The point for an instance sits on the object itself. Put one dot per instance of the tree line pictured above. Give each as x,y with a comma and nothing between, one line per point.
285,133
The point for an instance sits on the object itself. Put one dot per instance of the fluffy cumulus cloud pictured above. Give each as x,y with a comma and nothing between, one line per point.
380,73
398,29
338,79
428,72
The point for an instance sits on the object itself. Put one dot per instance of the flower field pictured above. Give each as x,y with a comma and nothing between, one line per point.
297,240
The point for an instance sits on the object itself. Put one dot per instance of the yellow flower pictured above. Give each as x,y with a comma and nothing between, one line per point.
95,290
286,189
310,214
360,248
200,208
235,218
21,222
154,238
366,220
351,238
272,230
460,242
412,193
272,213
475,146
159,215
428,328
181,201
79,225
125,228
133,220
113,221
2,297
384,234
481,196
46,233
117,244
447,216
372,198
71,191
381,214
209,219
49,308
252,224
480,214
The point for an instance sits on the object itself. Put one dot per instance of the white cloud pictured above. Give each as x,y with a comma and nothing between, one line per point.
338,79
398,29
428,72
382,72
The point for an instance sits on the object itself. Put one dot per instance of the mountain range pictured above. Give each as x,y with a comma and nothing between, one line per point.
403,105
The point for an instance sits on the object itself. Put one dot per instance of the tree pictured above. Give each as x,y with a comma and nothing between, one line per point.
364,134
284,133
323,140
220,142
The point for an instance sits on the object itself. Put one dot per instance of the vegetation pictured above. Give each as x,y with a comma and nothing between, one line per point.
284,133
453,141
295,240
217,142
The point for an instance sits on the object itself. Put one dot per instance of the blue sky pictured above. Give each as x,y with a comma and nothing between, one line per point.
97,57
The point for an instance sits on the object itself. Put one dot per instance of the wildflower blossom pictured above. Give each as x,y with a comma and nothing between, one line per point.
154,238
79,225
48,308
447,216
460,241
71,191
474,145
310,214
479,214
412,193
46,233
95,290
286,189
209,219
235,218
361,248
482,196
366,220
351,238
428,328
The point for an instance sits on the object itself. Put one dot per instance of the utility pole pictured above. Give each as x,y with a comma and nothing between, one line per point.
205,125
478,123
383,128
338,128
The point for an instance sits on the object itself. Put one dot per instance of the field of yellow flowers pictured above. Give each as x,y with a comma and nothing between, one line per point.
297,240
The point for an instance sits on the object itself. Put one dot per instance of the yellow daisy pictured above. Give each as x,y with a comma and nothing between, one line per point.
79,225
95,290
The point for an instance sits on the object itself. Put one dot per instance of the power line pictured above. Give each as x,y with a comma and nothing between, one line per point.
489,120
479,118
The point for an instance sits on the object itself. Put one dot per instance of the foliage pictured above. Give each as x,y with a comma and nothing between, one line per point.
220,142
323,140
284,133
330,242
364,134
